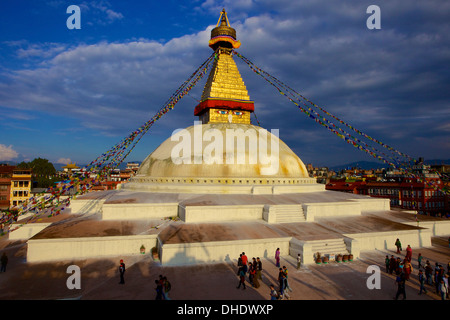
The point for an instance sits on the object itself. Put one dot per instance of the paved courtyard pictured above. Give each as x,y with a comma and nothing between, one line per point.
99,278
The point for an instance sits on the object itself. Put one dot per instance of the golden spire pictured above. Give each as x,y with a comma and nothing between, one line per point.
225,97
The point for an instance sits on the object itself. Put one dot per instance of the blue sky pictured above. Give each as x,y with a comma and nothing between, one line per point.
73,94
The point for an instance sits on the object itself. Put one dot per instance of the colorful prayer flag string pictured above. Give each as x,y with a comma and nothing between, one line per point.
394,159
51,205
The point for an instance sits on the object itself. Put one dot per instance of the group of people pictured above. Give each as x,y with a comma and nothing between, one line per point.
253,268
426,275
163,287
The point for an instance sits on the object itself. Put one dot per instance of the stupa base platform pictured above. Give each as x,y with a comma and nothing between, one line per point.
223,236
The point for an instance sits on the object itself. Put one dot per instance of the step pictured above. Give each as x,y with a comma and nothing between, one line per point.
289,213
333,246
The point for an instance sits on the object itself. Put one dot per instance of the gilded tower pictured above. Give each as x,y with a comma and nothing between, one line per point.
225,98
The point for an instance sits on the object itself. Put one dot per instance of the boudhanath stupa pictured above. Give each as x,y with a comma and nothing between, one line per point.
221,187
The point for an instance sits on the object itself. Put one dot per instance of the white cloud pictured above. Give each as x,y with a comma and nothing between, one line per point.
7,153
64,160
322,50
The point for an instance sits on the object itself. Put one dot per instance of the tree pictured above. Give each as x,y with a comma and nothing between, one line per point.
43,172
42,168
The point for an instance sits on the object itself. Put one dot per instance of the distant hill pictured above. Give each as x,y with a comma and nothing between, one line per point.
366,165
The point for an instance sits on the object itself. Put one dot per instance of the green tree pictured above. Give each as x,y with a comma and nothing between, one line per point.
42,168
43,172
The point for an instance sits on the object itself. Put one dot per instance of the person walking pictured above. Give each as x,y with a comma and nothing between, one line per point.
407,268
259,268
281,281
122,272
273,293
241,279
167,286
422,282
387,262
239,264
408,253
419,260
286,282
277,257
443,289
401,286
429,273
251,273
159,290
285,288
437,279
4,262
392,265
244,259
398,244
446,283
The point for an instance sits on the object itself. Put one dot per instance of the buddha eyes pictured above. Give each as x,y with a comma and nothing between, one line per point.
237,113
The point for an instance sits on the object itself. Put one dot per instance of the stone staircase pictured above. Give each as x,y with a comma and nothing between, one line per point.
289,213
329,246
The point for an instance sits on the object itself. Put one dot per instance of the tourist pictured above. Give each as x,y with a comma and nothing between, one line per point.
277,257
401,286
167,286
122,272
446,283
407,268
429,273
254,264
281,280
4,262
259,269
285,287
387,262
299,261
422,282
437,280
251,273
241,279
254,279
159,290
273,293
409,253
239,264
398,266
398,244
419,259
244,259
392,265
286,282
443,289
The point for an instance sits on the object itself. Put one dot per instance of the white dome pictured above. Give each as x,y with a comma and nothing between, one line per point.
180,157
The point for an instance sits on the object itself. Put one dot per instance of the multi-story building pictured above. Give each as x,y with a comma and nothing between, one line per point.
20,186
5,185
421,194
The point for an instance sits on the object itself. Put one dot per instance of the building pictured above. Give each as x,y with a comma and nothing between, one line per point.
71,168
422,195
20,186
6,172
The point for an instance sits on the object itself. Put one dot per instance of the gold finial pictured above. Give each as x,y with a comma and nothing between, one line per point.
223,35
